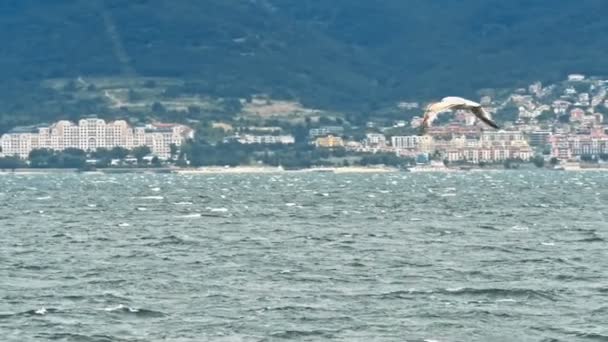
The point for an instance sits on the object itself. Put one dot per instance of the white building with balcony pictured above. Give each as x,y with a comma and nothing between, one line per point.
91,134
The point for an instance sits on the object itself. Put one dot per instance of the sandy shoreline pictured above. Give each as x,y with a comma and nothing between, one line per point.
207,170
255,170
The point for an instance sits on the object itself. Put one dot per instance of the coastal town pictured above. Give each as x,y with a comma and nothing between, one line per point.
551,125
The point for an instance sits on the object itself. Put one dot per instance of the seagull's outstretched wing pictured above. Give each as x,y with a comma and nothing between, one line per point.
433,110
482,115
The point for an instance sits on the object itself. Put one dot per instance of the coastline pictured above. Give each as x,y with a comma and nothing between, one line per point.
261,169
272,170
208,170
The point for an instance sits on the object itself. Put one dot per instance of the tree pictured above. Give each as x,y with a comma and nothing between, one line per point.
41,158
174,150
554,161
194,110
75,152
325,121
11,163
72,161
101,153
233,106
119,153
158,108
150,84
209,134
70,86
134,96
545,116
511,163
538,161
140,152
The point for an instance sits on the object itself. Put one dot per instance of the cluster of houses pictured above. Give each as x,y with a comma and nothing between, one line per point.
565,122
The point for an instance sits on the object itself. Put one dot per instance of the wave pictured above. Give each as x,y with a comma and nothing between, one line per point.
499,292
296,334
152,198
121,308
217,210
79,337
183,203
171,240
592,336
189,216
592,239
466,291
42,311
488,227
291,308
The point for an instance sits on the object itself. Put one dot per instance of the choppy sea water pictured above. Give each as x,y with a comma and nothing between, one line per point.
497,256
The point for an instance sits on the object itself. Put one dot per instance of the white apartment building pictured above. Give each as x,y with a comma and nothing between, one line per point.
405,142
505,138
91,134
491,154
375,139
266,139
566,146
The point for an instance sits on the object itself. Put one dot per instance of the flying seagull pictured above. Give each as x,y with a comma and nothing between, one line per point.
452,102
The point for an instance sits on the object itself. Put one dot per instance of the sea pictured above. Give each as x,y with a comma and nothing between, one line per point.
472,256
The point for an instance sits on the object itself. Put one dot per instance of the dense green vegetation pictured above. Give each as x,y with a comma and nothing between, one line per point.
354,56
69,158
11,163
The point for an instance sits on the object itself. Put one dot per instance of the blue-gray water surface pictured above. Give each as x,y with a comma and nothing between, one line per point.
494,256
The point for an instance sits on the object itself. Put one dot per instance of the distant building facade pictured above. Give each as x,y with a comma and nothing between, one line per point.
375,139
326,130
539,138
568,146
405,142
92,134
329,141
265,139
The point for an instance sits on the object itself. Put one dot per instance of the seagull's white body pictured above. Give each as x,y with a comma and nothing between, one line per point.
454,102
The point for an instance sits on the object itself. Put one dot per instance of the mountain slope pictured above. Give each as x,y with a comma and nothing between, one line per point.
352,55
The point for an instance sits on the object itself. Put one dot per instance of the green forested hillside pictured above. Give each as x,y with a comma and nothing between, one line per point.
349,55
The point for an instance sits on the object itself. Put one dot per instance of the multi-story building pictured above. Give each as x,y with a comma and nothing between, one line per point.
539,138
326,130
560,106
412,142
329,141
20,141
453,130
375,139
577,114
576,77
265,139
405,142
487,155
567,146
91,134
489,147
501,138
